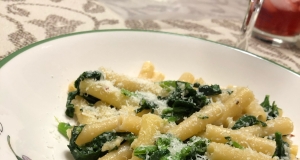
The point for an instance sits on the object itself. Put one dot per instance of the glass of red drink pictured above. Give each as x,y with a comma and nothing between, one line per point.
278,22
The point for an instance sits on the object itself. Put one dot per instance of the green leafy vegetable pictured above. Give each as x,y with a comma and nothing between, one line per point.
144,151
196,85
145,104
281,146
169,147
247,120
233,143
183,100
96,75
90,99
168,85
171,115
93,150
90,150
128,136
271,110
70,107
63,127
210,90
229,92
127,93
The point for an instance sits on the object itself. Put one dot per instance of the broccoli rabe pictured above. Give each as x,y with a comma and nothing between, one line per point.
210,90
91,150
63,127
96,75
247,120
281,147
145,104
127,92
184,99
271,110
169,147
233,143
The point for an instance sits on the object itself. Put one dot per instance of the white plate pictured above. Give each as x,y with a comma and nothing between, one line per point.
33,84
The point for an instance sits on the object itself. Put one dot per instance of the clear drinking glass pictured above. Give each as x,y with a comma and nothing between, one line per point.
278,22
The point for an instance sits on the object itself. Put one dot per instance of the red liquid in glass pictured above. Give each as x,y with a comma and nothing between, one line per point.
280,21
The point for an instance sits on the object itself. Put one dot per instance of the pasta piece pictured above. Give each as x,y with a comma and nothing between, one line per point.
255,109
280,112
130,83
91,131
235,104
157,77
167,126
81,118
225,95
87,114
110,145
131,124
124,152
150,126
218,134
230,122
196,123
294,150
147,70
187,77
218,151
105,91
280,124
293,157
71,87
145,111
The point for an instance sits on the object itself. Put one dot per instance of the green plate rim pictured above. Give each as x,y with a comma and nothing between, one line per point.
16,53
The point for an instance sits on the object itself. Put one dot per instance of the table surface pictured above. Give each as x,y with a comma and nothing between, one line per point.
24,22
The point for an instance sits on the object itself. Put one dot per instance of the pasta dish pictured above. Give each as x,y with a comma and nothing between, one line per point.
150,118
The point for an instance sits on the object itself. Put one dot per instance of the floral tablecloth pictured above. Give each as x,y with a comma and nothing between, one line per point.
23,22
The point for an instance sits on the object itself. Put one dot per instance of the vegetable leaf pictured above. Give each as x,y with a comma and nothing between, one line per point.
97,75
90,99
190,149
145,104
127,93
229,91
90,150
280,151
247,120
210,90
168,85
129,137
233,143
183,100
271,110
63,127
70,107
144,151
